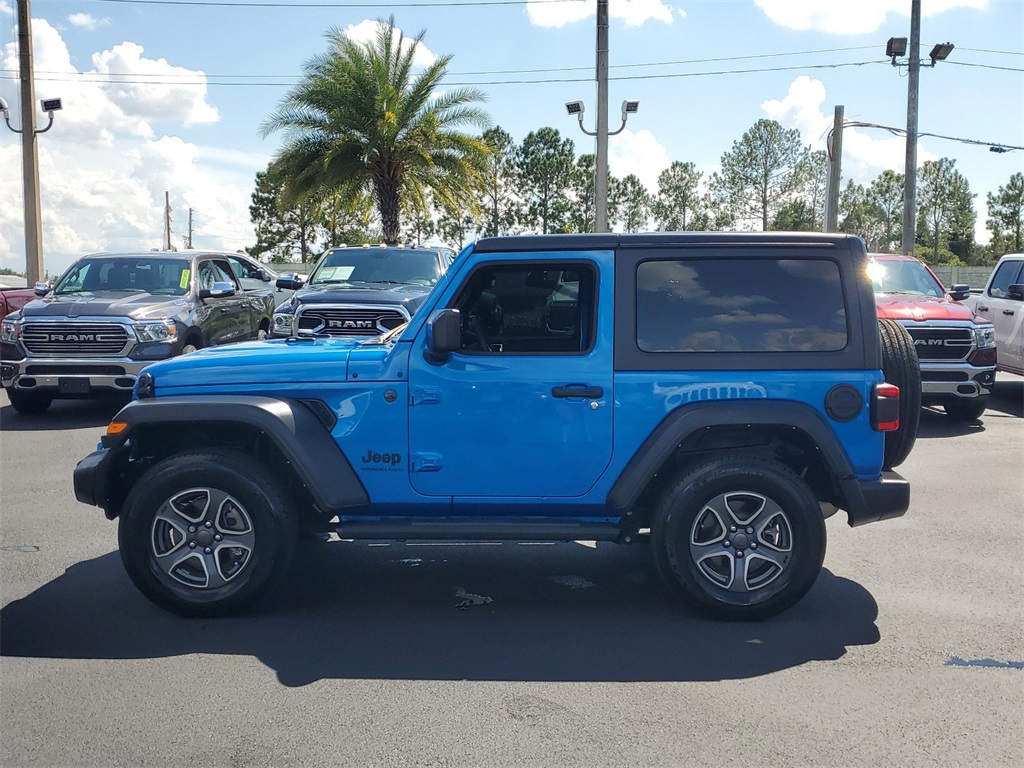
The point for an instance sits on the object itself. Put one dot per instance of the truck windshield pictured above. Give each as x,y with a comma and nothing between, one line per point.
167,277
910,277
377,265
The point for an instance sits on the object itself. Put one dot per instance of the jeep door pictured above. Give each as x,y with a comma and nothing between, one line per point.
524,407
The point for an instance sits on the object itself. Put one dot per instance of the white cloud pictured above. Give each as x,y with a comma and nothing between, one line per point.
103,168
366,32
6,9
865,155
849,18
640,154
86,21
633,13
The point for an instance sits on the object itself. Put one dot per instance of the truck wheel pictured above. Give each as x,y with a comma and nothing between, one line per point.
900,367
966,410
206,533
189,348
739,539
28,402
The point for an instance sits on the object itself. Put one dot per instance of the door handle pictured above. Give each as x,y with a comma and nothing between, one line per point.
570,391
982,308
1007,311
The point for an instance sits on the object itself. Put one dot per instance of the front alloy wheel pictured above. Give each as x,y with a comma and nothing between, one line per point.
206,533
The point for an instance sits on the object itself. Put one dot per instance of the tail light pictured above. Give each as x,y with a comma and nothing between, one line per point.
885,408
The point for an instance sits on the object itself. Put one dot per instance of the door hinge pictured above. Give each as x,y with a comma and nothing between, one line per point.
424,396
425,462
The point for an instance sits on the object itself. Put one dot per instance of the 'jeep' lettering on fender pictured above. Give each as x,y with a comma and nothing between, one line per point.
380,461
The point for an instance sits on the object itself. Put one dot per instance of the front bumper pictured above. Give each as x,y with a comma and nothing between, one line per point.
956,380
869,501
71,376
90,477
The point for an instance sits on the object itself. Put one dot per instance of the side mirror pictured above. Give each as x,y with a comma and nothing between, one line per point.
959,292
219,291
289,281
444,334
264,276
42,288
1015,292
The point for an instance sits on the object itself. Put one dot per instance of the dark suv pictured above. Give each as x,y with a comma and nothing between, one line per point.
360,291
110,315
662,388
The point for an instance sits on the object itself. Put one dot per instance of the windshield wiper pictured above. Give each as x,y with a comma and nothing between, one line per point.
387,282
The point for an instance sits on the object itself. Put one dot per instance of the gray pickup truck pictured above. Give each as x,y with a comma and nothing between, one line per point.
110,315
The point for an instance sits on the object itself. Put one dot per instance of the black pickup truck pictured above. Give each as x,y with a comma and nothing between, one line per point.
110,315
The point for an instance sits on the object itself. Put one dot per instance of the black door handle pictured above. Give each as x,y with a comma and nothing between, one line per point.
591,392
982,309
1007,311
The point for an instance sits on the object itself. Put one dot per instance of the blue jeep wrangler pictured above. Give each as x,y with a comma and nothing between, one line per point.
716,394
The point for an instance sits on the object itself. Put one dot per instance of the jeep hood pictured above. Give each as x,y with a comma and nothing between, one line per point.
905,306
320,360
138,306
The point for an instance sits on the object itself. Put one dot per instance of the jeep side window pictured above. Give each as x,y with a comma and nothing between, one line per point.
1004,277
740,305
528,309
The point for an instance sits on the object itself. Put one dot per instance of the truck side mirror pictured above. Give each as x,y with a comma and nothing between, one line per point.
220,290
959,292
1015,292
264,276
42,288
444,334
289,281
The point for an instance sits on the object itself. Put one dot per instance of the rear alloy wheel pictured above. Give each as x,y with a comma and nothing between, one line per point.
963,409
901,367
189,349
28,402
739,539
206,533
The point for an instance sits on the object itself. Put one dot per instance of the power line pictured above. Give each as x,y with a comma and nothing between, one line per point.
995,146
492,71
982,66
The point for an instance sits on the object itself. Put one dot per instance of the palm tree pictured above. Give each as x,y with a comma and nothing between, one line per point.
359,121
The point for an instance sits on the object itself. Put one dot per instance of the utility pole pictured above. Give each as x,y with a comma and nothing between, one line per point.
167,221
835,170
601,172
189,246
910,169
34,271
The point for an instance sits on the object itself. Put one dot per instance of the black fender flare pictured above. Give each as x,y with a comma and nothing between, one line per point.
684,421
292,426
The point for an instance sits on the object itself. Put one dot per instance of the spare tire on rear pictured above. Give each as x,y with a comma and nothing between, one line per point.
901,367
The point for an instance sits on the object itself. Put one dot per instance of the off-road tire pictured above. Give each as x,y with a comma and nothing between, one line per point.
680,520
963,409
222,473
901,367
28,402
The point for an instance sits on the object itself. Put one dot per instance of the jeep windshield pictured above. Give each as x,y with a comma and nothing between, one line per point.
166,277
911,277
388,266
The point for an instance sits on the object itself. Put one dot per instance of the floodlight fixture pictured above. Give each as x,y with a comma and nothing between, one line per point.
575,108
51,105
940,52
897,46
630,107
3,108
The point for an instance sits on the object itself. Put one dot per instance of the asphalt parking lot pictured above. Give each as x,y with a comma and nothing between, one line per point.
909,650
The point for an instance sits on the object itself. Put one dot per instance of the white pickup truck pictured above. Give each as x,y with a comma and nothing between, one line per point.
1002,302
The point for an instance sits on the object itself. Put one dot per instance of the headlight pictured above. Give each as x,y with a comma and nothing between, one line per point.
160,330
11,331
985,336
283,325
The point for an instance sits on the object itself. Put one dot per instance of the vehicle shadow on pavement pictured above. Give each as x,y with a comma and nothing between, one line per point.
61,415
1008,398
935,423
560,612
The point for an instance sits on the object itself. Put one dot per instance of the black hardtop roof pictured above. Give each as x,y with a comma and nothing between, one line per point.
613,240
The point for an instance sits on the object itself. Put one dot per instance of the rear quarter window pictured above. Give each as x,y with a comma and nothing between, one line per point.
740,305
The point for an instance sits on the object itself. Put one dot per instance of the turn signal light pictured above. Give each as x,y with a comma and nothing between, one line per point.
885,408
116,427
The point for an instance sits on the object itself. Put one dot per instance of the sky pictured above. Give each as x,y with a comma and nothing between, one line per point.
170,96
